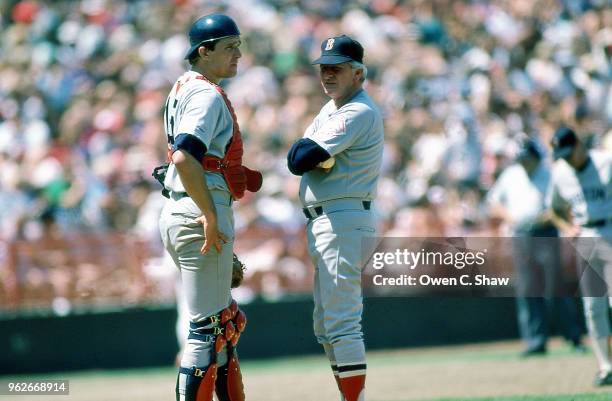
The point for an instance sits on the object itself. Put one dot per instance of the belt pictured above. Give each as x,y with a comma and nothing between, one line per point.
218,196
178,195
543,230
597,223
312,212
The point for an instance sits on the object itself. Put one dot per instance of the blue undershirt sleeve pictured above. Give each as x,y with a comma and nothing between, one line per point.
304,156
190,144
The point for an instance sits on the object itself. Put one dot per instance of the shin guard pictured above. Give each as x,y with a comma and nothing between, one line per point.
196,384
229,385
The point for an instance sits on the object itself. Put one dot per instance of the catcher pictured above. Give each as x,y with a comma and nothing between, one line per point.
204,177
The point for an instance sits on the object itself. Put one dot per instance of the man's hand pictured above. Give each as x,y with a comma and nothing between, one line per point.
564,224
212,235
327,165
190,171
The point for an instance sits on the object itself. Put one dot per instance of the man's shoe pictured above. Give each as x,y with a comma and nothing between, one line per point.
579,348
603,379
535,351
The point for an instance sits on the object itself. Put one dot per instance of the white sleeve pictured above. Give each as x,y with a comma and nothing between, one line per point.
203,107
554,200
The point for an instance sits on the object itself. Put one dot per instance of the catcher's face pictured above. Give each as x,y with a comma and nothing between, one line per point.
339,80
223,61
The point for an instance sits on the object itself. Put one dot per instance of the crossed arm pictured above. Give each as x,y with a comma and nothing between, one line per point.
305,155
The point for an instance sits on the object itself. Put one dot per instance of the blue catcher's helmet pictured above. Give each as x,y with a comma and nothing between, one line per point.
208,28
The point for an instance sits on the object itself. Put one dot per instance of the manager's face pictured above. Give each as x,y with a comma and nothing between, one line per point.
339,80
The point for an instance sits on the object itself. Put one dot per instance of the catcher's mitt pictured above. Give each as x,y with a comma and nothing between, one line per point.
237,272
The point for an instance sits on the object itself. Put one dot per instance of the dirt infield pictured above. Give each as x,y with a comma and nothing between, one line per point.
484,370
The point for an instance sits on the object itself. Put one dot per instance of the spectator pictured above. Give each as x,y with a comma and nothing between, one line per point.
83,85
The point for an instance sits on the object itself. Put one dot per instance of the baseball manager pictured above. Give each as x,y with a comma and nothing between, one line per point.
339,159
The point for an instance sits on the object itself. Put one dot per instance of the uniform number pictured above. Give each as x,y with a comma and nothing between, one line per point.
169,117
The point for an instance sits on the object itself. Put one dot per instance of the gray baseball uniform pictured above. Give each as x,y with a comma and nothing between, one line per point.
338,204
204,141
194,107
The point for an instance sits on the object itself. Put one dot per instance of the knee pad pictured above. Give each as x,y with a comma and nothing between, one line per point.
227,323
240,321
228,386
233,328
232,323
196,384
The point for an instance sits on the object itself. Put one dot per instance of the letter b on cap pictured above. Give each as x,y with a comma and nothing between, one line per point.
330,44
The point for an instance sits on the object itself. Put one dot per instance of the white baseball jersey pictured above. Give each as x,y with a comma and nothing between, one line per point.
194,107
587,193
353,134
522,196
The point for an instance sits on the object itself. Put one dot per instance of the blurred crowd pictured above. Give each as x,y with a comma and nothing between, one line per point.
83,83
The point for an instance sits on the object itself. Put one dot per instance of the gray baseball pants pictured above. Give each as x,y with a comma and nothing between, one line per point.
205,279
335,246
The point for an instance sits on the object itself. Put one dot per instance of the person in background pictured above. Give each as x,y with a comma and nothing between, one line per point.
518,199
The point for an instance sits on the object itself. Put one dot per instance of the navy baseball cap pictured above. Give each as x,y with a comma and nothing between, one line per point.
208,28
340,49
563,142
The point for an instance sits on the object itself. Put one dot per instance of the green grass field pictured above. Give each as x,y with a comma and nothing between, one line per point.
482,372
